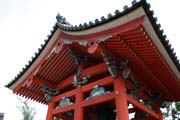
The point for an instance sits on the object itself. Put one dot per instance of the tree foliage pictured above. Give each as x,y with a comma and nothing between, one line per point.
27,111
172,111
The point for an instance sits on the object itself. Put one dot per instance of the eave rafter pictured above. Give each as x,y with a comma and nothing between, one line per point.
141,62
90,37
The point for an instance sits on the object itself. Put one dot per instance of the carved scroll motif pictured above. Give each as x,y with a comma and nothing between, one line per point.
49,92
80,60
115,66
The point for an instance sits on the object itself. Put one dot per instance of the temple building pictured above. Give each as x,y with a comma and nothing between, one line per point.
117,65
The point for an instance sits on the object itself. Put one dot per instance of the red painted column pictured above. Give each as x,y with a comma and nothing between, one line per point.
51,106
121,99
78,111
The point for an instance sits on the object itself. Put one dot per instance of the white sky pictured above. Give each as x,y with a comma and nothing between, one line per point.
24,24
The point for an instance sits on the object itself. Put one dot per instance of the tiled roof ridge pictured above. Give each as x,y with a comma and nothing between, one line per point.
102,20
63,24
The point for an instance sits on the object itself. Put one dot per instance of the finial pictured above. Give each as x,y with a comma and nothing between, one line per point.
61,19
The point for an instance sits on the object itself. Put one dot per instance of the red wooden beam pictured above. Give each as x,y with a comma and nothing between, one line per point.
63,117
94,70
99,48
79,111
40,80
102,82
67,94
142,107
57,111
132,110
99,99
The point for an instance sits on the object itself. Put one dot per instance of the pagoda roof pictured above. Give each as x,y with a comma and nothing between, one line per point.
134,22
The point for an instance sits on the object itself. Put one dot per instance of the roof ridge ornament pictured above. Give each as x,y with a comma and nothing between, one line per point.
62,20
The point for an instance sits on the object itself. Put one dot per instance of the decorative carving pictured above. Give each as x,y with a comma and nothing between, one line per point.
148,104
103,39
157,98
80,60
76,79
133,93
64,102
49,92
66,42
85,79
126,72
137,84
48,96
79,57
62,20
114,66
80,81
83,43
97,91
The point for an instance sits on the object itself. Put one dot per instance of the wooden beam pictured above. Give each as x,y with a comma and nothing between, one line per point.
57,111
132,110
98,99
99,48
40,80
63,117
93,70
67,94
102,82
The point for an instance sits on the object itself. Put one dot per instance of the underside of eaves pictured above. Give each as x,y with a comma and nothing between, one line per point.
131,34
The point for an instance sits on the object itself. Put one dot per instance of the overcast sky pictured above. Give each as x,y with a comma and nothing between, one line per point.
24,24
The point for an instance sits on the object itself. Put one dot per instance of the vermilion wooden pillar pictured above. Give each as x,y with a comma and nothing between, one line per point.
78,111
51,106
121,99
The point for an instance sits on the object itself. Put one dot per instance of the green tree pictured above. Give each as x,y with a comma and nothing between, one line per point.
172,111
27,111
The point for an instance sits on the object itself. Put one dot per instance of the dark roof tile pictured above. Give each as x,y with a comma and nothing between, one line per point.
85,25
103,19
110,16
97,21
133,2
125,7
117,12
91,23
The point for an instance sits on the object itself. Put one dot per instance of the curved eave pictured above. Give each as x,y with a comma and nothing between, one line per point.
139,13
